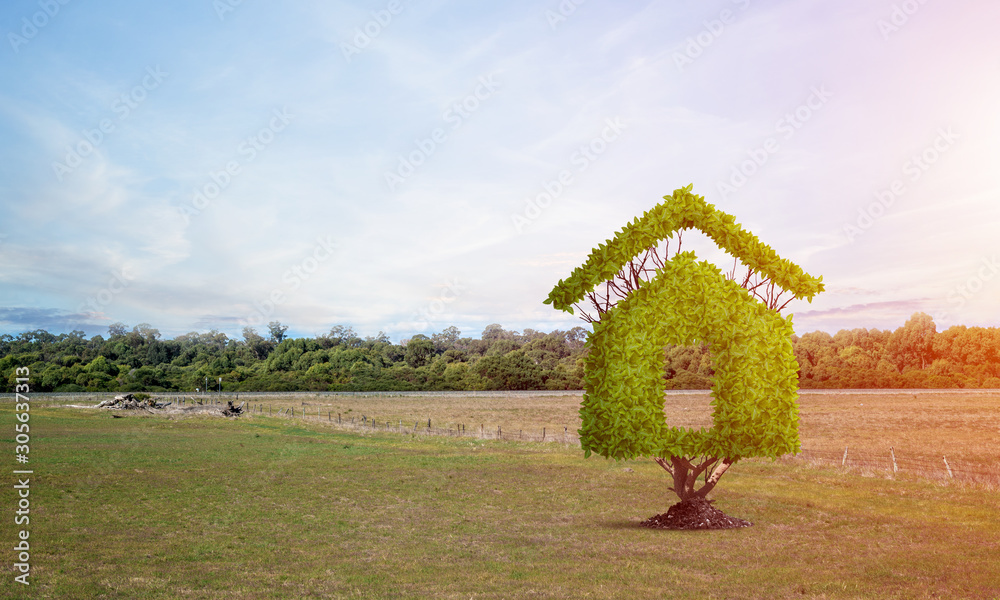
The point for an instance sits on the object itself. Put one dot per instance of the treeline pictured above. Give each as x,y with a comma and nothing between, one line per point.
137,359
915,355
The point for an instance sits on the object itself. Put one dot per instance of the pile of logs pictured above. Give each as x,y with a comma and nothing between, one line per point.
233,411
130,402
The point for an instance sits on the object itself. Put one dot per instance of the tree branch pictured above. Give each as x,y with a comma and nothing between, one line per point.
663,463
717,474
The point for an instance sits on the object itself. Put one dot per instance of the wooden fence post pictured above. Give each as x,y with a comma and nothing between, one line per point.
946,466
543,434
892,453
843,462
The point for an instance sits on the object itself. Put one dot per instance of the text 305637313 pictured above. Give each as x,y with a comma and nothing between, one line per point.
22,476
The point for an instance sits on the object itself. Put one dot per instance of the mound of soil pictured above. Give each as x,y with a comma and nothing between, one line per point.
696,513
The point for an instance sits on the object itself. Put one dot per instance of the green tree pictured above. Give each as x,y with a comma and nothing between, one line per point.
277,331
495,331
101,365
117,330
446,340
816,355
256,344
512,371
419,351
912,344
341,335
649,302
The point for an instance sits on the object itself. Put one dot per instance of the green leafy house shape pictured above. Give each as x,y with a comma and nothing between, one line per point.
755,409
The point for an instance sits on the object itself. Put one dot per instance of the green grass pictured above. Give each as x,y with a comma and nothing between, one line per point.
149,507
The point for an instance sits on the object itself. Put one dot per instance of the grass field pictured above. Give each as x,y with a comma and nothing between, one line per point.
964,424
201,507
922,426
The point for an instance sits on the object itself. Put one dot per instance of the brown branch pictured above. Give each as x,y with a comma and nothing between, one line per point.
641,269
702,466
663,463
717,474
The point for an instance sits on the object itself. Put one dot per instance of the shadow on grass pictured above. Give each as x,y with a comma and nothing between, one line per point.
619,524
638,526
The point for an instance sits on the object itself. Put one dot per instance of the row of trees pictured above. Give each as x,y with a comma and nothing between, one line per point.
915,355
138,359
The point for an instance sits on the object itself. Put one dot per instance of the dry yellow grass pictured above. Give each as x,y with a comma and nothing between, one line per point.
960,424
922,426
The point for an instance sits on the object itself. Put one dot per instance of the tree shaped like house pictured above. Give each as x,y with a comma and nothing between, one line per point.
755,392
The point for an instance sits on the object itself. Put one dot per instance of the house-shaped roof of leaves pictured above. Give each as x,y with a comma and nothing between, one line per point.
682,210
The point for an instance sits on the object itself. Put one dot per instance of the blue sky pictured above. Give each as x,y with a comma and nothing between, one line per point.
406,166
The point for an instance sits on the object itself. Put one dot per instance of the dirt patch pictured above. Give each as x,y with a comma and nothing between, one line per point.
695,513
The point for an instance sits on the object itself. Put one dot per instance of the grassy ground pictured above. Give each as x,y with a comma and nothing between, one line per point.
149,507
922,426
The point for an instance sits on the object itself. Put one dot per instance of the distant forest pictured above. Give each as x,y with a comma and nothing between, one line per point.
137,359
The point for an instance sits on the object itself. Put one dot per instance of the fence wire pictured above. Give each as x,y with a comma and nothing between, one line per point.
892,462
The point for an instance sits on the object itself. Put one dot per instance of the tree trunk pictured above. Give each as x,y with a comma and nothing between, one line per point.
685,474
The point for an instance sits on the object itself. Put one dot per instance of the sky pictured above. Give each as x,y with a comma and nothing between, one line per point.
405,166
